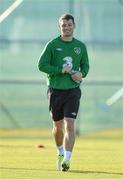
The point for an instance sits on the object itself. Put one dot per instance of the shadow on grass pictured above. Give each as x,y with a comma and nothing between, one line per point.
94,172
71,171
25,169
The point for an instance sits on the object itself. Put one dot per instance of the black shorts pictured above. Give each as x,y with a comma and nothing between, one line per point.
64,103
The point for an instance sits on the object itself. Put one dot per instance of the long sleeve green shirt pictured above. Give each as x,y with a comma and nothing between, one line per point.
55,55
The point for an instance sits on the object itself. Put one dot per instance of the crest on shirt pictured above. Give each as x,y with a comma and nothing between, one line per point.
77,50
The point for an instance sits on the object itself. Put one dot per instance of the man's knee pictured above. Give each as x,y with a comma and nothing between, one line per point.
69,124
58,126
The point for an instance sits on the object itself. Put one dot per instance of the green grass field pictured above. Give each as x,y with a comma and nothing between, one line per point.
97,155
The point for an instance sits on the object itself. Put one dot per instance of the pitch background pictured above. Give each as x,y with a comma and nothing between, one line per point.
23,99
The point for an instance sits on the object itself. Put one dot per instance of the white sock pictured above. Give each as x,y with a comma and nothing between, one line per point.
60,150
67,155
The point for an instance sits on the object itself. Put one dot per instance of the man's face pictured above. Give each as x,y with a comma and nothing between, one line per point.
66,27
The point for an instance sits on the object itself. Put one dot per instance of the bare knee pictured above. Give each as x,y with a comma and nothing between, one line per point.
58,126
57,129
69,125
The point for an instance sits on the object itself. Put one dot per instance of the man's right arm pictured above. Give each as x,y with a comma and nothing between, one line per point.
44,64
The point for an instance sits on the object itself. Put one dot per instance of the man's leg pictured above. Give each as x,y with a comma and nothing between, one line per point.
58,136
58,132
69,140
69,137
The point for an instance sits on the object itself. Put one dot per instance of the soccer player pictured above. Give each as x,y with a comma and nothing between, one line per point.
65,61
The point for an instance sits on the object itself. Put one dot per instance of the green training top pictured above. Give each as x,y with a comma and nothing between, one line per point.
58,52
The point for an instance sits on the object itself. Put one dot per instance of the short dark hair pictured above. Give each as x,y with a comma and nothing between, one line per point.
67,17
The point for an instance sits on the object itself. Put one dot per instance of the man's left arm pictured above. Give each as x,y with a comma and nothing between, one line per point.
84,67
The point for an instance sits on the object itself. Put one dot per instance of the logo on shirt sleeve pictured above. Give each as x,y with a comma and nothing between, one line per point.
59,49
